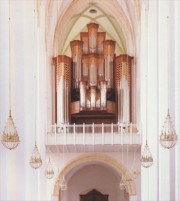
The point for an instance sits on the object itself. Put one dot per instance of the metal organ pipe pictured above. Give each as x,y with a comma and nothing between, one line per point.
82,94
63,101
92,31
93,75
60,103
77,49
75,67
101,68
109,48
77,70
125,100
108,71
93,97
103,91
66,103
92,70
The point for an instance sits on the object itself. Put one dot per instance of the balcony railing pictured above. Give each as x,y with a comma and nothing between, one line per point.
93,134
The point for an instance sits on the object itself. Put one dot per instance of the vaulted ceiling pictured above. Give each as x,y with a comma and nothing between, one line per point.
120,19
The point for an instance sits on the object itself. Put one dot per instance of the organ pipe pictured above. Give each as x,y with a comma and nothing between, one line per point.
82,94
92,70
103,91
109,48
77,51
93,35
124,100
93,97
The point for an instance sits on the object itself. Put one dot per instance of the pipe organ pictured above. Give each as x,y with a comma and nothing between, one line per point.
94,85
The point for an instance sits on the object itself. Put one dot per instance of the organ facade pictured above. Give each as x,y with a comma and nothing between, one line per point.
94,84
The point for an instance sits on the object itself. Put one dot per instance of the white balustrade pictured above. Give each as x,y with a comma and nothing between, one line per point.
93,134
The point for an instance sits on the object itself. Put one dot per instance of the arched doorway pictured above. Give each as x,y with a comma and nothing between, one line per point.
86,164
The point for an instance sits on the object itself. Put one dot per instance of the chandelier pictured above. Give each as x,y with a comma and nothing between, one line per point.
10,137
168,137
146,157
49,172
35,160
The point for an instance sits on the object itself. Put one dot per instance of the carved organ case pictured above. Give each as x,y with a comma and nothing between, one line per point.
94,85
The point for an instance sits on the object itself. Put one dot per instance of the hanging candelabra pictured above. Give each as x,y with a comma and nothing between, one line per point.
49,172
10,137
35,159
146,157
168,137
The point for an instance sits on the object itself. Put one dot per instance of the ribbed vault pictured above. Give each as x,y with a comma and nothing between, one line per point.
120,19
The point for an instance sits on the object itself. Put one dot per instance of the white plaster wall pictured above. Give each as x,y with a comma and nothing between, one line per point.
158,182
177,97
18,180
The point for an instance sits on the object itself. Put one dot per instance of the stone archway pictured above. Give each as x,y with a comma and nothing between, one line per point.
99,158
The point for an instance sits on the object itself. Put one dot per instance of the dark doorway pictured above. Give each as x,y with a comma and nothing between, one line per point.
94,195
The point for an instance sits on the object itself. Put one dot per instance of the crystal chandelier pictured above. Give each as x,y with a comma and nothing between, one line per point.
146,157
35,160
168,137
10,137
49,172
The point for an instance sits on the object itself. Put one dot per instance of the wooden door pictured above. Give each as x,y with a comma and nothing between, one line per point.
94,195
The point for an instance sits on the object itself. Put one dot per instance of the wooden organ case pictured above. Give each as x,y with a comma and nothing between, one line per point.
94,86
